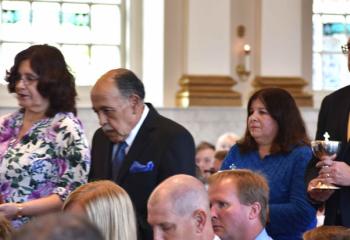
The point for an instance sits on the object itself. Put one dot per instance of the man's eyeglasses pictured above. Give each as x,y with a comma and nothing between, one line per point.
345,48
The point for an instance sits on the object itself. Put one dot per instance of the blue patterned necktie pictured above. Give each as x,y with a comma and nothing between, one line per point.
119,156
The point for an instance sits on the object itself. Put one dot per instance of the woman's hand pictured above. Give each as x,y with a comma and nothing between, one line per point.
35,207
10,210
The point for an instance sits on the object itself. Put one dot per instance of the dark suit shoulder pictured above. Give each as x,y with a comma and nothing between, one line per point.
166,125
342,93
171,125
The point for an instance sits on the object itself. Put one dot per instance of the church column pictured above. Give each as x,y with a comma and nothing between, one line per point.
207,58
282,48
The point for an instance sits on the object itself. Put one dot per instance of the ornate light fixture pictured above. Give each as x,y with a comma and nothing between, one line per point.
243,69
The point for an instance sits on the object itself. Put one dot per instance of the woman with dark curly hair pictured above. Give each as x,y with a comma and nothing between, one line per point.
276,144
44,153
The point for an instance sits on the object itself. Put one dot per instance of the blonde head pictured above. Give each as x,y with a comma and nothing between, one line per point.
108,206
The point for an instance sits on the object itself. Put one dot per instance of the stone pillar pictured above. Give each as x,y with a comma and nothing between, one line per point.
207,65
281,48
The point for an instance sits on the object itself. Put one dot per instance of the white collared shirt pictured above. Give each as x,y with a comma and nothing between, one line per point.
263,235
130,139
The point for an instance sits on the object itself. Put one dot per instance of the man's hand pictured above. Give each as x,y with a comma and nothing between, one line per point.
334,172
318,195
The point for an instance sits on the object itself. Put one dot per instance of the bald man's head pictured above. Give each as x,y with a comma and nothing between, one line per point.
179,209
184,192
123,79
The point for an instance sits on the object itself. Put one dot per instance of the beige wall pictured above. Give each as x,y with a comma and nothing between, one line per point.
281,38
204,123
279,32
201,38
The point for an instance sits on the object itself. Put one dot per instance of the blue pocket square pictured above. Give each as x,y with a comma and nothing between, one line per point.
137,167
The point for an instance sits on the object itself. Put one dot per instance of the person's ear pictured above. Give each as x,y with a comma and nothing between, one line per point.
255,209
134,101
200,218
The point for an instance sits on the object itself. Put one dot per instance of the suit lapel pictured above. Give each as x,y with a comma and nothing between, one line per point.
342,118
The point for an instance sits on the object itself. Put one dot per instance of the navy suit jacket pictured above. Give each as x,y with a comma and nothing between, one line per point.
160,140
333,118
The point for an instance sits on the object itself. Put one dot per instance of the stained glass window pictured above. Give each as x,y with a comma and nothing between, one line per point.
331,29
89,33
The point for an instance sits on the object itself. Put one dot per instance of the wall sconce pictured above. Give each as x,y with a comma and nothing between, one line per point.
243,69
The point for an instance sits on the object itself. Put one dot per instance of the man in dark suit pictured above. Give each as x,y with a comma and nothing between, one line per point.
333,118
135,146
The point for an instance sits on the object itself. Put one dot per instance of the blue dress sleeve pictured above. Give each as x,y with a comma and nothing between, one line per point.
297,214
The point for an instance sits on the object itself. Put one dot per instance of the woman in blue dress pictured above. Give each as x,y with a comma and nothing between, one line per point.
276,145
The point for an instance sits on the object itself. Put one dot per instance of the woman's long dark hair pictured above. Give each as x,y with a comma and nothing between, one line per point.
283,109
55,82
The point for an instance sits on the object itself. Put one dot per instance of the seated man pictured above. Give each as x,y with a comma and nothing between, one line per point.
239,205
178,209
204,158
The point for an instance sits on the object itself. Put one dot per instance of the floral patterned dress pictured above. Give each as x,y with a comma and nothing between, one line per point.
53,157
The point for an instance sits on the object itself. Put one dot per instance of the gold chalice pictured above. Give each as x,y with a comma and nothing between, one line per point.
321,148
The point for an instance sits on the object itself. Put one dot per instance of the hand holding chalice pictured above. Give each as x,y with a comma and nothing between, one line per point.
325,147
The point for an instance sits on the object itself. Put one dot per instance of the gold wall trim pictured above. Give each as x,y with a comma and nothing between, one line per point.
207,90
294,85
